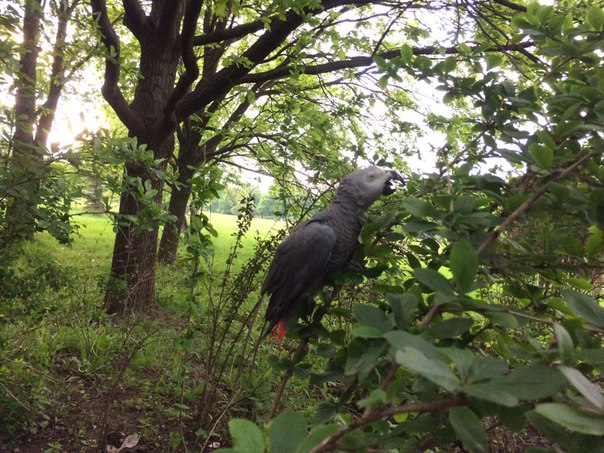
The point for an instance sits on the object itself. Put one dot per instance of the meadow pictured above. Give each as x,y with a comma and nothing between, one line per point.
93,245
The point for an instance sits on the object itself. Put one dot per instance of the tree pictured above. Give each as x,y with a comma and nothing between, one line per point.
28,181
243,52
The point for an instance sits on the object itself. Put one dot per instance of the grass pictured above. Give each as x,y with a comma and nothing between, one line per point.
64,364
93,246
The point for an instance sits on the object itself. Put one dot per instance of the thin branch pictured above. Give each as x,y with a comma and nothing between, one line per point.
361,61
330,442
386,380
496,232
295,357
385,33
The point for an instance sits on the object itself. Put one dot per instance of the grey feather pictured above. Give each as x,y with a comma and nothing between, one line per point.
322,245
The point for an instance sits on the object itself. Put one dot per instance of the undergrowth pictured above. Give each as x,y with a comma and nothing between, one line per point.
72,377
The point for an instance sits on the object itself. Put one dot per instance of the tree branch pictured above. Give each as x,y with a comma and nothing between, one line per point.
237,32
496,232
188,55
511,5
270,40
57,72
110,89
356,62
135,18
330,443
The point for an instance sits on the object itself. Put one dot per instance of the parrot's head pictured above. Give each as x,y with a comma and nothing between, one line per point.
369,184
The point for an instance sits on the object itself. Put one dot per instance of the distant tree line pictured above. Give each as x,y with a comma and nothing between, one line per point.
268,205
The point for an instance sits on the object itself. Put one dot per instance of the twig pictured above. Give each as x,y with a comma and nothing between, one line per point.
286,377
330,442
11,394
237,382
383,384
427,319
494,234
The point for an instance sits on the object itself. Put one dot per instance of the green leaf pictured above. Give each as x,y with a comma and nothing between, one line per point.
532,382
595,17
434,370
366,332
491,392
377,396
451,328
400,339
484,368
371,316
590,391
315,437
572,419
542,156
403,306
380,62
493,60
580,283
420,208
462,358
504,319
463,262
247,437
468,427
585,307
383,81
564,342
362,357
287,431
433,280
406,53
594,243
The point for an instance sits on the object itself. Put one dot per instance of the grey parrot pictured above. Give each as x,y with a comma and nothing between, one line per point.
317,248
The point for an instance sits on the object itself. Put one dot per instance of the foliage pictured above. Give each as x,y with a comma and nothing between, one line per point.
478,308
30,281
487,303
36,187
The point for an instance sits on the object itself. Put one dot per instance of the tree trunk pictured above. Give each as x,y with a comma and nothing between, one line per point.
191,155
26,165
179,199
132,277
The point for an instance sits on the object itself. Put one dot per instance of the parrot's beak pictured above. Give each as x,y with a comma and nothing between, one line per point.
394,181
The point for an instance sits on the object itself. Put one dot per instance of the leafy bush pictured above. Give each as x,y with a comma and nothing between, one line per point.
486,305
27,273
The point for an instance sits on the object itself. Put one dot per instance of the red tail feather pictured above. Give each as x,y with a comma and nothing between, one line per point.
279,330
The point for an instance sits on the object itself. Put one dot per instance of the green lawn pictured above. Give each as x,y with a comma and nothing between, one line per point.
93,246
